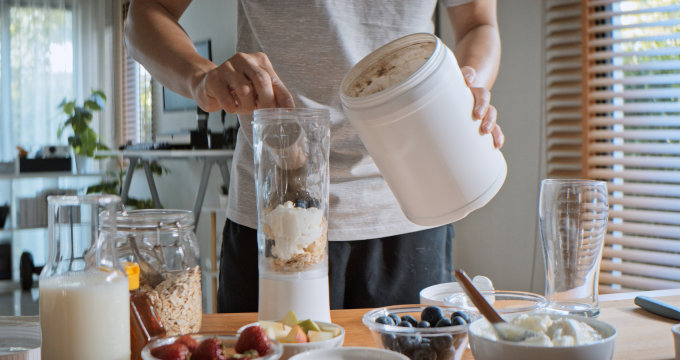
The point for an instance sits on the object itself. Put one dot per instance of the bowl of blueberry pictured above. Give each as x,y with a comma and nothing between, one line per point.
421,331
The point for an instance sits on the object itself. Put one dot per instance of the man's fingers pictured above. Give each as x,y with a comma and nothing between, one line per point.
217,87
242,84
489,120
482,98
257,69
469,74
283,97
244,91
498,137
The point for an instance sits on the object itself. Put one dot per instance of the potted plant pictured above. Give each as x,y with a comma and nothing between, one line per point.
84,140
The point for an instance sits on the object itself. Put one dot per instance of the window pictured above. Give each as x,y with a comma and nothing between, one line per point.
613,113
36,72
137,98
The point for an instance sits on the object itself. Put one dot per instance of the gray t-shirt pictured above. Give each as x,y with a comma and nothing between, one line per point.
312,45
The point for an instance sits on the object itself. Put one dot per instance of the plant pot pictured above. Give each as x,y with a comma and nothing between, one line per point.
82,164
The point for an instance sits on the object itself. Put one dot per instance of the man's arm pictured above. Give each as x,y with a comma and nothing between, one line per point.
243,83
478,51
478,43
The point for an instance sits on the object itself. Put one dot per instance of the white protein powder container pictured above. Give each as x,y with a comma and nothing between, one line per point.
413,111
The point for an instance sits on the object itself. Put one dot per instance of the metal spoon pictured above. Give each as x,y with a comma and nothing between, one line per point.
504,329
148,273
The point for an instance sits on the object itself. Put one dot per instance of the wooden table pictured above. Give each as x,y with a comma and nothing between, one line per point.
641,335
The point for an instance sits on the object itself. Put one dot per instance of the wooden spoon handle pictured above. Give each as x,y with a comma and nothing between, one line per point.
477,299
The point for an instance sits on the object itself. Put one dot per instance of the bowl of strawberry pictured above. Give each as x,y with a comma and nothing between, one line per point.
252,343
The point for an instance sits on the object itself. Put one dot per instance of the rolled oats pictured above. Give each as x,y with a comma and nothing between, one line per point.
177,301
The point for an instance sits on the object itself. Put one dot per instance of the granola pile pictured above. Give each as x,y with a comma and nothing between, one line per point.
177,301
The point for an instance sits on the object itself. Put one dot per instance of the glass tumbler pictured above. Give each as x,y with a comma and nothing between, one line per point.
84,297
573,223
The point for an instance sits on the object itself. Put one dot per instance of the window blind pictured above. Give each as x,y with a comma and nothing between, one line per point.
631,136
137,97
563,88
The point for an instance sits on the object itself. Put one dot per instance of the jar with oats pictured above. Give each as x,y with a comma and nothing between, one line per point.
164,245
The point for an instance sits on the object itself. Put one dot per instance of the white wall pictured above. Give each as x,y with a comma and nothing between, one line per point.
500,240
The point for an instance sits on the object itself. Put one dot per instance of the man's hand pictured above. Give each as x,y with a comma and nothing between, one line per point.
483,109
242,84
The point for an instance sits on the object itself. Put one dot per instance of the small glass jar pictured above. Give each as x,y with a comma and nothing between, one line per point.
163,244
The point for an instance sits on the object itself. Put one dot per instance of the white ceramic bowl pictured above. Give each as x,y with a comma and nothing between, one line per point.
487,349
350,353
435,294
290,349
18,340
228,341
504,301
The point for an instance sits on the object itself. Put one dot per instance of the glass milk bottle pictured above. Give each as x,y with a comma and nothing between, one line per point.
291,176
84,298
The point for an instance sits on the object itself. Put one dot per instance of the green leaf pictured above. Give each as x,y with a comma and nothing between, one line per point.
99,93
106,187
140,204
91,105
69,107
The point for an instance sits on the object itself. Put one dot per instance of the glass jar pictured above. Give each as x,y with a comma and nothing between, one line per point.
84,298
163,244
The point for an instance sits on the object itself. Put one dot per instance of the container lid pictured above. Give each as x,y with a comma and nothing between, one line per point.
132,271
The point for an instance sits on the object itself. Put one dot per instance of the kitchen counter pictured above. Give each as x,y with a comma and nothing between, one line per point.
641,335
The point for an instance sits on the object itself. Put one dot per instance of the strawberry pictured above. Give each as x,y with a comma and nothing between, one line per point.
255,338
209,349
171,352
189,341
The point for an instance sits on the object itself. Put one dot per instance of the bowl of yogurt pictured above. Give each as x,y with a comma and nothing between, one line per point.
559,337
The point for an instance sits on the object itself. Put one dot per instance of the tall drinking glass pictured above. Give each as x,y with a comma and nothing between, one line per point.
84,296
291,151
573,223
